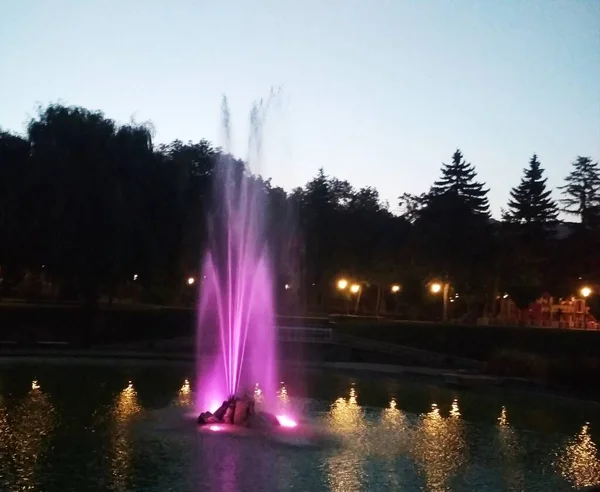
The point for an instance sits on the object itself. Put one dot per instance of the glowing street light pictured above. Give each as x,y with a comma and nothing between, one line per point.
287,286
444,288
435,288
191,280
585,291
355,288
342,284
395,289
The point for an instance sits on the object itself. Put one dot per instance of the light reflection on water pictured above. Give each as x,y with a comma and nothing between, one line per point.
125,408
282,395
382,449
578,462
184,395
5,435
439,446
510,454
345,470
24,433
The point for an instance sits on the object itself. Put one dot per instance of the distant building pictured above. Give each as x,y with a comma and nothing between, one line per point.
545,312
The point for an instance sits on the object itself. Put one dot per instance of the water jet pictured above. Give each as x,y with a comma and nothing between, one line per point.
235,311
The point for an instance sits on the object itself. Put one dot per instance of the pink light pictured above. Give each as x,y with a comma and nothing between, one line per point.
215,427
286,421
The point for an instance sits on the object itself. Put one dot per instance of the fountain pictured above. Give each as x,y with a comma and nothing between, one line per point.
235,311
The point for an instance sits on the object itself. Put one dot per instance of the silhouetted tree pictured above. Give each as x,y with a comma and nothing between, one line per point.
581,198
452,234
582,191
459,178
14,159
531,203
411,204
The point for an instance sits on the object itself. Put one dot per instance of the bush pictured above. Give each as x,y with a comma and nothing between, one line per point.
514,363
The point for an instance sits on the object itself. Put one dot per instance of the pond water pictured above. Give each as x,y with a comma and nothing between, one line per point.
121,426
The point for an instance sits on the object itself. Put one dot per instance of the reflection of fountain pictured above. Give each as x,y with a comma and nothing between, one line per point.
578,462
126,407
236,292
439,446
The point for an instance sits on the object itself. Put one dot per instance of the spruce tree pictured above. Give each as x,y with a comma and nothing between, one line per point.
530,202
458,178
582,191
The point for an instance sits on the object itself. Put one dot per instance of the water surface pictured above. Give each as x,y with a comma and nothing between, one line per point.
122,427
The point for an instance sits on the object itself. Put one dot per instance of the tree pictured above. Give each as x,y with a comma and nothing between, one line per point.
582,192
528,223
14,155
411,205
95,204
452,233
459,178
531,203
84,197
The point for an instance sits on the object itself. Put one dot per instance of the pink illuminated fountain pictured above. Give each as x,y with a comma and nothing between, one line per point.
236,327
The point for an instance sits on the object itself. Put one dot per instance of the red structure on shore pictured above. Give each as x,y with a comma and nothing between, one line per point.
546,312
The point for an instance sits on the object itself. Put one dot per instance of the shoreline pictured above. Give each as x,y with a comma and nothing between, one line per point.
445,377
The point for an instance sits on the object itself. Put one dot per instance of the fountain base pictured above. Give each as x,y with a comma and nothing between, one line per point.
239,412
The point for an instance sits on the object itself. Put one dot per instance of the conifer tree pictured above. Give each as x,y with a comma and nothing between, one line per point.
458,178
582,191
530,202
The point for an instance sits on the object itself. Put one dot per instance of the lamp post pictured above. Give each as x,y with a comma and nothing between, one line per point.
444,288
585,292
356,289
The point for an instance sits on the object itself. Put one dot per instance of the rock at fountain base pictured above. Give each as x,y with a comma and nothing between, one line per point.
204,418
239,412
242,412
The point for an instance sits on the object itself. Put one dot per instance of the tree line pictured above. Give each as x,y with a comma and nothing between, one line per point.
92,209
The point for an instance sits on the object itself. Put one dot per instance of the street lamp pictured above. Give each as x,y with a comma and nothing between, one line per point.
436,288
395,289
191,280
342,284
585,292
355,288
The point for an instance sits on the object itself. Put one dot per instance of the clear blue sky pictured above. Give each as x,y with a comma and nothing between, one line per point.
378,92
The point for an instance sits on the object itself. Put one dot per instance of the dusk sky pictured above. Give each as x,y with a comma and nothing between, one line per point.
377,92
